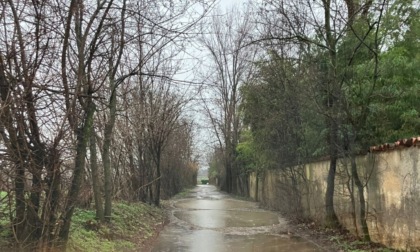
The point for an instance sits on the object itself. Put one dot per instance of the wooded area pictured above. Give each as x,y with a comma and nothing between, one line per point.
91,110
330,80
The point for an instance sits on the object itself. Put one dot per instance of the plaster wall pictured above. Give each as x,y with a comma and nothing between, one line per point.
392,193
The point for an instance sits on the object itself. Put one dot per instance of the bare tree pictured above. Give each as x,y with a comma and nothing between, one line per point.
30,125
179,165
82,48
117,44
230,65
135,39
48,104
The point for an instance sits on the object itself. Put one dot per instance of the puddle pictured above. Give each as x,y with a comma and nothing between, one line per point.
224,218
211,221
267,243
198,240
213,241
215,204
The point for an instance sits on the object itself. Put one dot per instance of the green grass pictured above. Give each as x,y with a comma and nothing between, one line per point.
184,193
131,223
5,228
82,237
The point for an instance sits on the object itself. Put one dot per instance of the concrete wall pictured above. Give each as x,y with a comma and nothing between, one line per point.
392,194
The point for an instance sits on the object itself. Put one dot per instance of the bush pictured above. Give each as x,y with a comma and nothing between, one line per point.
204,181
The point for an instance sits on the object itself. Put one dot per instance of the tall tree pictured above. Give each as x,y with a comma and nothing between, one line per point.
231,65
30,127
117,45
322,26
84,45
48,103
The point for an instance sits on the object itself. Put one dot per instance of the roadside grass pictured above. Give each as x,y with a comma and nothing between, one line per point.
5,228
183,194
347,244
131,226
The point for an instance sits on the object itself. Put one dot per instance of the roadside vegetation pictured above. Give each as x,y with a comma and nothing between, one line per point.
133,227
91,114
330,80
335,239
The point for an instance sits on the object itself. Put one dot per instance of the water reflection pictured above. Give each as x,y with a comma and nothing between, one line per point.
227,218
215,204
214,222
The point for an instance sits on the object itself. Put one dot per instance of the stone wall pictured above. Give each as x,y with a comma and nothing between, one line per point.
392,193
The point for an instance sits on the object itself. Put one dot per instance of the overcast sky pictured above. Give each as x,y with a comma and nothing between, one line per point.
204,138
228,3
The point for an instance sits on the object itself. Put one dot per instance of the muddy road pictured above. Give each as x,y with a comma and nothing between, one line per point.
209,220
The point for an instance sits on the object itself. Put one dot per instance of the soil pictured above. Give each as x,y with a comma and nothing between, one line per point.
332,239
146,244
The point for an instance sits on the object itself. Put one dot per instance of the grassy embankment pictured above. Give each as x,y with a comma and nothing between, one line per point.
4,221
133,228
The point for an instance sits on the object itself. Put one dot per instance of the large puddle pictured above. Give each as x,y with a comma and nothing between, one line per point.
215,204
212,221
227,218
213,241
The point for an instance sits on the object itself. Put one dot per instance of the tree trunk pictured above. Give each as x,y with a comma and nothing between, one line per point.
109,126
256,186
158,177
350,187
96,181
142,175
33,222
19,221
83,135
360,189
331,217
228,180
332,104
105,152
135,187
53,179
150,176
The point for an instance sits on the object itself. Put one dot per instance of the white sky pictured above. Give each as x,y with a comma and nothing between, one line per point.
204,139
228,3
